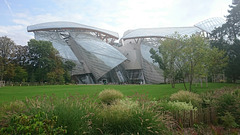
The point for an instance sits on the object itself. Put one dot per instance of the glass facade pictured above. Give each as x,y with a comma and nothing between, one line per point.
98,60
210,24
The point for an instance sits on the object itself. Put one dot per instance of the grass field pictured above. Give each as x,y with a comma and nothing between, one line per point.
11,93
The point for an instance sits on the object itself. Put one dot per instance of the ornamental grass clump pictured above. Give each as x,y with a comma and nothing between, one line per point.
129,117
108,96
83,114
175,105
186,96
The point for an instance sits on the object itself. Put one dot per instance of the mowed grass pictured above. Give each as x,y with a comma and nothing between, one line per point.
11,93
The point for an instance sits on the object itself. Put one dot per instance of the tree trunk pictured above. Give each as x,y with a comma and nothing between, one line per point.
184,84
214,79
201,81
191,77
190,83
173,82
206,81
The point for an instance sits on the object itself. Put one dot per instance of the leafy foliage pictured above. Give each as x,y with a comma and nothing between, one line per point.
226,38
229,102
20,74
191,57
228,120
43,59
6,45
38,61
85,114
167,56
37,124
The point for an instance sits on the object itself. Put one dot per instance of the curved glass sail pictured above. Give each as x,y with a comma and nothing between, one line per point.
59,44
210,24
151,70
90,53
145,50
99,56
107,53
159,32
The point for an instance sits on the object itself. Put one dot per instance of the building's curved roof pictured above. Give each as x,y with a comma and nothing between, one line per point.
210,24
68,25
207,25
159,32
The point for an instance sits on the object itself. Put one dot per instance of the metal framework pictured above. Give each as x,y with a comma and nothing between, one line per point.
97,57
105,35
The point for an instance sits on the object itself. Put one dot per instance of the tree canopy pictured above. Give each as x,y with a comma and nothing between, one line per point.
191,57
6,45
37,62
227,38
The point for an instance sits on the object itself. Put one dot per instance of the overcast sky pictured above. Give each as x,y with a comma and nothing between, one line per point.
114,15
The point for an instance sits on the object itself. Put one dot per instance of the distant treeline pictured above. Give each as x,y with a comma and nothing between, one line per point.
38,62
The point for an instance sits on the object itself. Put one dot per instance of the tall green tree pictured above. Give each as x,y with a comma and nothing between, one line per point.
20,55
68,67
217,61
227,38
167,57
44,58
20,74
192,57
6,45
195,52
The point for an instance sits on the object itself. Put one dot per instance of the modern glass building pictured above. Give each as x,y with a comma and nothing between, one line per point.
137,44
100,60
89,47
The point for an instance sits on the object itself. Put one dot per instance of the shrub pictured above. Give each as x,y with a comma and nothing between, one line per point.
126,104
186,96
129,117
79,114
176,105
229,103
37,124
224,100
109,96
228,120
84,115
7,110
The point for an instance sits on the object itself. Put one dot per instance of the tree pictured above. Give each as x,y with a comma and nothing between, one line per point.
6,45
20,55
226,38
44,58
168,53
68,67
9,72
56,76
158,59
20,74
181,56
194,52
217,61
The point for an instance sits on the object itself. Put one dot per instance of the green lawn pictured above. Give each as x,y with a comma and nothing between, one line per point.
11,93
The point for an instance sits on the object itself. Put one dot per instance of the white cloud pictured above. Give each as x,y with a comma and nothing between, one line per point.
118,16
17,33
